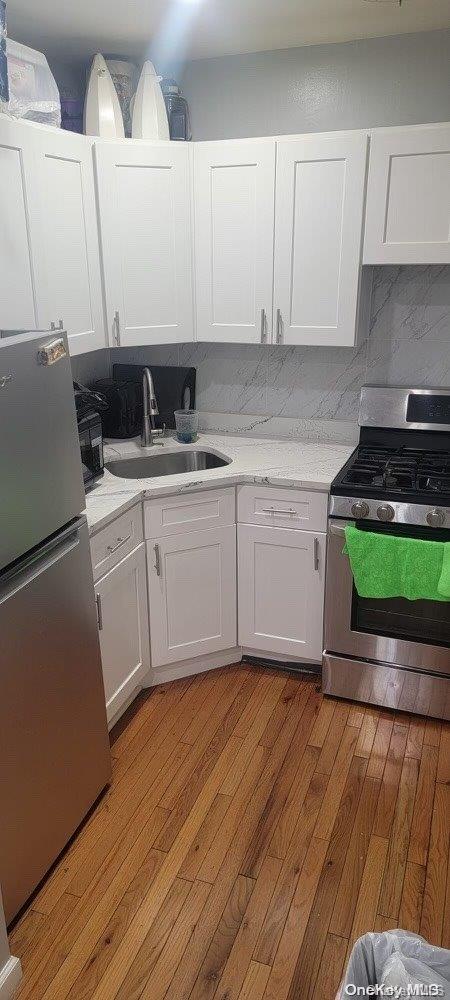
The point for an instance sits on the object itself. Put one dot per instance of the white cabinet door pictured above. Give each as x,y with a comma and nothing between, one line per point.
123,623
192,594
408,197
281,591
318,233
234,204
145,219
18,228
70,293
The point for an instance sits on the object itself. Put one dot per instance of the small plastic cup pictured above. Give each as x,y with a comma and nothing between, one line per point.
186,423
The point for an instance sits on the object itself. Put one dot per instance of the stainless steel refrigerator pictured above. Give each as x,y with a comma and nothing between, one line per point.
54,747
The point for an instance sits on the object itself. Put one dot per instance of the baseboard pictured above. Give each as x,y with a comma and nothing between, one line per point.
10,977
198,665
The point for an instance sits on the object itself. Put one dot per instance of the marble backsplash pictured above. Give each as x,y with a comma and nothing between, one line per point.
408,344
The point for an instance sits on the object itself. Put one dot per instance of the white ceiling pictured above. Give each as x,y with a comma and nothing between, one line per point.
201,28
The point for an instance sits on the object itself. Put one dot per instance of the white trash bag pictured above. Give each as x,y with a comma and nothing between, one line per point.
400,964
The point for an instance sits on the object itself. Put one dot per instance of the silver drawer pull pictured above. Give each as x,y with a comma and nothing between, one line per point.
118,545
279,327
291,512
98,602
157,552
316,554
263,326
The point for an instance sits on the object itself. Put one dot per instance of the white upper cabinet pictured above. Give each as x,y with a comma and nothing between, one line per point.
49,251
145,201
234,186
318,234
18,233
69,292
408,197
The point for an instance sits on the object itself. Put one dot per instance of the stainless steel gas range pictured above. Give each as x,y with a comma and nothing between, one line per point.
394,652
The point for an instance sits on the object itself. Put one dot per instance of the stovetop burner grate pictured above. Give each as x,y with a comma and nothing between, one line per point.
399,470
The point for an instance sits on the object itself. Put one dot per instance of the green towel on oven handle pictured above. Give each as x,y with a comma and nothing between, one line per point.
387,565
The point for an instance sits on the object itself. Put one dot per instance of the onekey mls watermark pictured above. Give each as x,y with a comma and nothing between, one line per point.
398,992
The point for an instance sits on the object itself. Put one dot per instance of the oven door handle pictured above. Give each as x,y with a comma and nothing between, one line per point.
339,529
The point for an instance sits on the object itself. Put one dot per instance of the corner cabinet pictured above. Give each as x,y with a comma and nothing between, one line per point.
192,594
49,251
319,217
234,191
145,221
408,196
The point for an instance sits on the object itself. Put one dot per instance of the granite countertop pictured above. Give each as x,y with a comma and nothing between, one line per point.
301,464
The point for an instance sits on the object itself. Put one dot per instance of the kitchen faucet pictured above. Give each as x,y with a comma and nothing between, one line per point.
150,411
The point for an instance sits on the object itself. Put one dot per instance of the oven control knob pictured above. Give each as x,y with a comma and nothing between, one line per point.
436,518
360,509
385,512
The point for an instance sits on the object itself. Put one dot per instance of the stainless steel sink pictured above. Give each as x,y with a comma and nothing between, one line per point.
169,464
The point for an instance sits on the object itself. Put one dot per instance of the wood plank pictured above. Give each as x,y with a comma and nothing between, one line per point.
288,818
432,736
423,807
336,784
158,933
115,928
279,714
332,967
432,920
255,982
290,874
399,843
443,771
369,893
390,782
282,786
412,898
163,972
221,945
118,968
234,972
71,916
416,737
333,739
309,957
210,832
367,732
284,965
354,865
266,706
446,922
322,724
219,847
380,747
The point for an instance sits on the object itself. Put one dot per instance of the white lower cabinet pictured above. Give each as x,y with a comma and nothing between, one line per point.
281,591
192,594
123,627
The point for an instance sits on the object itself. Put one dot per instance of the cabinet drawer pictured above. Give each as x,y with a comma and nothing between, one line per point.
196,512
282,508
111,544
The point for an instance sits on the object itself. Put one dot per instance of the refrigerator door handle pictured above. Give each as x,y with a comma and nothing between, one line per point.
29,569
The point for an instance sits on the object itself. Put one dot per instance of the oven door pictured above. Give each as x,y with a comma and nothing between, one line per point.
412,634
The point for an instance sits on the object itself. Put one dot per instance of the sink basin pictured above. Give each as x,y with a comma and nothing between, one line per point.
169,464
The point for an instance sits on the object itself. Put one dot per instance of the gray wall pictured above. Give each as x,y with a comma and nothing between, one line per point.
396,80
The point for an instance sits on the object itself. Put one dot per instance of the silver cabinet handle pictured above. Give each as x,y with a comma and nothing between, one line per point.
57,326
316,554
263,326
118,545
279,327
117,328
98,602
279,513
157,552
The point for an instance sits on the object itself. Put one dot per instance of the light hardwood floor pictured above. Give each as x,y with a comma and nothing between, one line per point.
253,830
